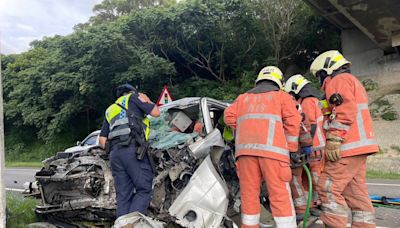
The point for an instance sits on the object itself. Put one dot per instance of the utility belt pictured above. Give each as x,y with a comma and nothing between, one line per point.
128,140
142,146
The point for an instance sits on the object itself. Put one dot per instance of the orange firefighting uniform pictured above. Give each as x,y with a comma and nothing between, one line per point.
311,108
267,129
342,184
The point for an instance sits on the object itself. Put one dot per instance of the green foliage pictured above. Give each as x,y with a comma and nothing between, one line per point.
390,115
63,84
24,147
370,84
382,103
374,112
313,81
18,164
20,211
384,109
375,174
395,147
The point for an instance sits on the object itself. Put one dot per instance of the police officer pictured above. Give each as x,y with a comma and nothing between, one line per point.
125,129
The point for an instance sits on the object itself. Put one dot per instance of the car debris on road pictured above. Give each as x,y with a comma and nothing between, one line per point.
195,183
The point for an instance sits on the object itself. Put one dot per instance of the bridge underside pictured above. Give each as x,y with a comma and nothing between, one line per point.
379,20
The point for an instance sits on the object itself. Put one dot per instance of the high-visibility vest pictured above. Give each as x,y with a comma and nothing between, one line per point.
311,108
267,124
352,116
118,120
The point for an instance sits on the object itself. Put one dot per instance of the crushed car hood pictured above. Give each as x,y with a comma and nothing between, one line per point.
195,183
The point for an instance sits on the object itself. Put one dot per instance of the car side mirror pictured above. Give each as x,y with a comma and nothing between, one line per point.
78,143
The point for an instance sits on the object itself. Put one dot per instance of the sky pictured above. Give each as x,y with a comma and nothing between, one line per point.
22,21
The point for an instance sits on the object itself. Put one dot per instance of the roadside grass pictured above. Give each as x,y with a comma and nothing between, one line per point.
20,211
23,151
32,164
374,174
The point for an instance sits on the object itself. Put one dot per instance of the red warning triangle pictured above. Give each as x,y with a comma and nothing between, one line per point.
165,97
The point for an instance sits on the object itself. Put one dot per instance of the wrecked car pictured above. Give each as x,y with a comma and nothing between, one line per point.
195,183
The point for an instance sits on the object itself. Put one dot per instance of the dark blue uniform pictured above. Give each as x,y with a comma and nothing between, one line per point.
132,178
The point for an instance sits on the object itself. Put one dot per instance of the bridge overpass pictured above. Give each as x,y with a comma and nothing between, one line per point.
370,34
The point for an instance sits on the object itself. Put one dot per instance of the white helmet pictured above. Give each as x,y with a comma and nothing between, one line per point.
271,73
295,83
328,61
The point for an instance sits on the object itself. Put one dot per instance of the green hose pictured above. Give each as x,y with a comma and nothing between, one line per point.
309,199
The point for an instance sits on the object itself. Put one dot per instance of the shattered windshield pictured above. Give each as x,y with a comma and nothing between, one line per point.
162,135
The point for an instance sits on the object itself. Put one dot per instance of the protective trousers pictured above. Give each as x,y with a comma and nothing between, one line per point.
132,180
298,193
277,175
316,165
299,183
342,185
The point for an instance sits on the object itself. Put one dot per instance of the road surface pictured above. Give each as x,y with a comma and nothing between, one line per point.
385,217
16,177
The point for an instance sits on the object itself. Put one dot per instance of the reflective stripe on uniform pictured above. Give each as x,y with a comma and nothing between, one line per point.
271,132
364,141
250,220
335,209
315,196
357,144
297,185
360,121
363,217
287,221
118,123
337,125
259,116
124,131
264,147
332,207
287,185
328,184
291,138
299,201
318,132
316,178
305,137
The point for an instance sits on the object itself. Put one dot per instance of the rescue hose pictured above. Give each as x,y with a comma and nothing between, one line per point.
309,199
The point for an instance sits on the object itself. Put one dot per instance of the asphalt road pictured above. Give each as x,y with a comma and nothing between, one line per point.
385,217
16,177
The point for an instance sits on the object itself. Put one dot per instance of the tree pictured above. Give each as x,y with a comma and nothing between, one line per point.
64,79
109,10
278,18
199,47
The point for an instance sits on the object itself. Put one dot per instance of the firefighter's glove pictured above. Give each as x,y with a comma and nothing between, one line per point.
332,148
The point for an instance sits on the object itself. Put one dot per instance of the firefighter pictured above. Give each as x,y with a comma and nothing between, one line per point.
307,97
349,140
267,127
126,128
